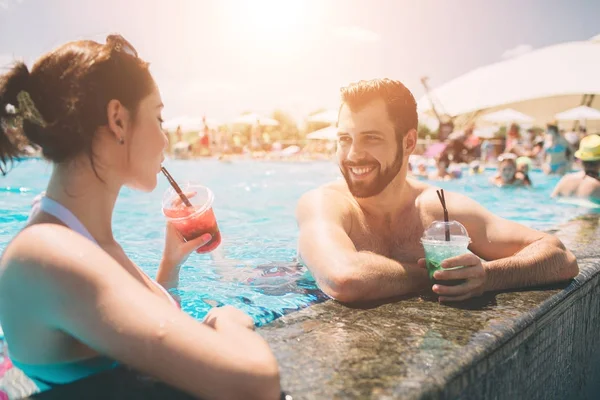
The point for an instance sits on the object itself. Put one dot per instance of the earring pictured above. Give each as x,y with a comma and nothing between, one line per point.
121,140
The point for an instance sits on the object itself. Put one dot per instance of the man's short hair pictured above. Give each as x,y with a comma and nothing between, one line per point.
400,103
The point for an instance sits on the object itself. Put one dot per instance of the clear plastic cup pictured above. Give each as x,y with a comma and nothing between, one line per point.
193,222
438,249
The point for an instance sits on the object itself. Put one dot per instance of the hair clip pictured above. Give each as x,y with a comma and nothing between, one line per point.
28,110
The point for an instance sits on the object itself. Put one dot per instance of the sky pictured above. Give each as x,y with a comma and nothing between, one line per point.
220,58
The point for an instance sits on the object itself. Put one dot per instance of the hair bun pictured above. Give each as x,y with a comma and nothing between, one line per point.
11,84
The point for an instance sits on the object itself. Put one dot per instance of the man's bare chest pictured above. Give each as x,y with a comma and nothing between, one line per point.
395,238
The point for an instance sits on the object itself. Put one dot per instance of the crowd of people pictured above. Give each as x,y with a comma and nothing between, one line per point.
552,151
255,143
548,151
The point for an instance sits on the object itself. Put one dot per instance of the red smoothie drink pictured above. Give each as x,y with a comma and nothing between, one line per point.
193,222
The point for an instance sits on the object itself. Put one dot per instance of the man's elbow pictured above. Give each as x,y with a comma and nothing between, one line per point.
569,268
343,287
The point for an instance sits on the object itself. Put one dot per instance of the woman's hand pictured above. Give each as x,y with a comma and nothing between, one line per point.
228,316
177,250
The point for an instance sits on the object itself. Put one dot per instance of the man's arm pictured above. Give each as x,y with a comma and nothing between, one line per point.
515,256
341,271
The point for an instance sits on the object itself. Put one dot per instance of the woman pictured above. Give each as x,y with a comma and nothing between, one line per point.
524,166
507,172
513,138
71,302
442,164
584,184
421,171
558,154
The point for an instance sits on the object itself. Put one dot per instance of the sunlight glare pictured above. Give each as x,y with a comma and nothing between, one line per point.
269,21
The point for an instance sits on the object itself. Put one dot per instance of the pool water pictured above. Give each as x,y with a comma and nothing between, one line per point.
255,268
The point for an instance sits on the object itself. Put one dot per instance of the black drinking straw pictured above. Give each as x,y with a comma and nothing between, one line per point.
440,194
176,187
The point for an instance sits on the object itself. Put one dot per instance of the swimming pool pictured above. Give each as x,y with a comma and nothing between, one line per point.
255,268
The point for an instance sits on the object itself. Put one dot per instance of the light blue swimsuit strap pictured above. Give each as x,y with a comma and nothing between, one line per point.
557,148
46,376
63,214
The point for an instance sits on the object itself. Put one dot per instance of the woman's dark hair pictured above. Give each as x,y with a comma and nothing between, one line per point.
70,88
592,168
552,129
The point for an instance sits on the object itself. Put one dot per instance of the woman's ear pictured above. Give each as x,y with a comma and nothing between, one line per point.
117,117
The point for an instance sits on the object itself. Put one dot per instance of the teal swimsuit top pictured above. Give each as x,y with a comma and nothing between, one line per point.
47,376
557,148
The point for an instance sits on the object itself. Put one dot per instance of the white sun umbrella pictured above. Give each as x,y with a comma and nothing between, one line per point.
507,116
540,84
290,150
328,133
485,132
327,117
189,124
179,146
268,122
255,119
430,122
579,113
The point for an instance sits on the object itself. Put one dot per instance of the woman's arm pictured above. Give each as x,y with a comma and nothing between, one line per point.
175,253
88,295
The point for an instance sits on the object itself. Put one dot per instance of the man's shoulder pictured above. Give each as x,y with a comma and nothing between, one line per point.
426,195
330,197
332,191
430,207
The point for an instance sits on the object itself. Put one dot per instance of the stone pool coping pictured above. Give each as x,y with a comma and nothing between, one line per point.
412,348
416,348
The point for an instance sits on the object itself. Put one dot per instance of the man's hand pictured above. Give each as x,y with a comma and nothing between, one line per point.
472,273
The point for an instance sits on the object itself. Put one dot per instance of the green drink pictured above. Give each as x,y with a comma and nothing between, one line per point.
437,248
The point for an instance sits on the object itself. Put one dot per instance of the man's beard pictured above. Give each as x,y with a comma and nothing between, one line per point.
376,185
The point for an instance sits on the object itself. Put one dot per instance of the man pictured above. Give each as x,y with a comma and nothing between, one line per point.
361,238
585,184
